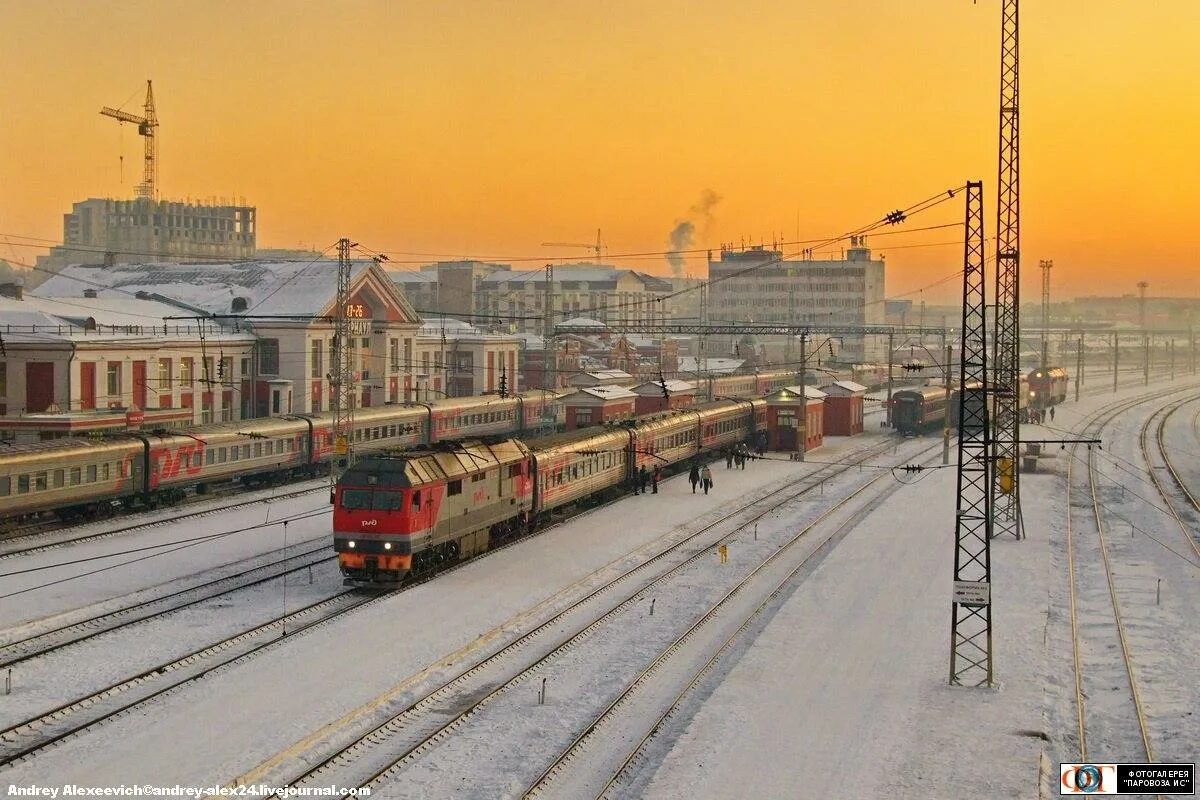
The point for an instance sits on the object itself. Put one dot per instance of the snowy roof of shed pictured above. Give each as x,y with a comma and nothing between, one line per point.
608,392
848,386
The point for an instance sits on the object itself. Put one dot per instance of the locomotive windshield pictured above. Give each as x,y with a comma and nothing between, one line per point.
372,500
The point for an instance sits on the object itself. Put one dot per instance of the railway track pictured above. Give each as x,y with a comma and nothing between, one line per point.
653,687
383,742
27,738
1170,498
49,641
1075,552
152,521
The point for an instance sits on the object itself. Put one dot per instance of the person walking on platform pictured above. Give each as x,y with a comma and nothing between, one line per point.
1052,413
694,477
706,479
728,458
639,480
654,480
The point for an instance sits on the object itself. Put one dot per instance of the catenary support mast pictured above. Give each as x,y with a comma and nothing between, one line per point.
971,614
1006,365
342,368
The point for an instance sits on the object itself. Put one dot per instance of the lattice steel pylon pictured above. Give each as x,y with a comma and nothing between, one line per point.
1006,365
971,615
341,375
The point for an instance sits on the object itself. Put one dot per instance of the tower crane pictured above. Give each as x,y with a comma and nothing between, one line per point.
146,125
595,248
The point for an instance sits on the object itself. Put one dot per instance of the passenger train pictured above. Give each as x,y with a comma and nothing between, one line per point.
398,513
925,408
86,478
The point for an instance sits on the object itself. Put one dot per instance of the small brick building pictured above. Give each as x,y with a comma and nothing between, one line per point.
844,408
783,409
652,397
595,405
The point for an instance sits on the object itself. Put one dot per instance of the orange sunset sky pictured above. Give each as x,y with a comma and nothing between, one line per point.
472,128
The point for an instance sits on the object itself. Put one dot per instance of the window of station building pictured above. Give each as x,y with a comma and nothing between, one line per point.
316,350
3,379
453,488
164,375
114,378
268,357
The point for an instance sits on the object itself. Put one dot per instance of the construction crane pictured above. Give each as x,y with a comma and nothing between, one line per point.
595,248
146,125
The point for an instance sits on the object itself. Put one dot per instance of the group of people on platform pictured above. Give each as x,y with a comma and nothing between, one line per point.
645,481
1036,416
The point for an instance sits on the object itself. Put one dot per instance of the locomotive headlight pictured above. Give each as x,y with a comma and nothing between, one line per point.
350,545
387,545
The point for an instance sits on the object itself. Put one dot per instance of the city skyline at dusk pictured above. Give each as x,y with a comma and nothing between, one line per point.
483,130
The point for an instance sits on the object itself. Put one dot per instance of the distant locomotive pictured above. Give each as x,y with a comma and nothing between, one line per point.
410,512
1047,386
924,409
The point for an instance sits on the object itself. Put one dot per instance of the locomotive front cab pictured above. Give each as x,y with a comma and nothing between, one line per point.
377,513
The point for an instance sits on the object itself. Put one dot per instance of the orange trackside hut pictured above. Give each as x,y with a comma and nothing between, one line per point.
844,408
595,405
783,409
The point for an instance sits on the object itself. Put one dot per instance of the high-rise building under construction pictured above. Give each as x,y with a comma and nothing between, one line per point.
142,230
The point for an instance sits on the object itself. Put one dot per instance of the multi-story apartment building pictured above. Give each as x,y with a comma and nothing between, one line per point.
758,285
607,294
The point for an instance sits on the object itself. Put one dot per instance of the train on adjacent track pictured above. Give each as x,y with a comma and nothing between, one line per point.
409,512
1047,386
83,478
925,408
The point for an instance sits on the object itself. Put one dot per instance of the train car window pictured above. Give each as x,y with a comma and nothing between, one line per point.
91,473
59,476
209,456
416,501
104,472
478,476
222,455
22,484
453,488
356,499
76,476
258,449
514,470
271,448
39,482
5,486
234,453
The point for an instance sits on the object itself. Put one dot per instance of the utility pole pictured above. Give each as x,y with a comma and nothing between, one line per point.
1045,267
342,369
946,419
1078,367
971,606
1006,366
1116,358
803,395
891,377
1142,285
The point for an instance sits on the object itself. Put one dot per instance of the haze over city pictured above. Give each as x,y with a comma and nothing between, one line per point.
484,129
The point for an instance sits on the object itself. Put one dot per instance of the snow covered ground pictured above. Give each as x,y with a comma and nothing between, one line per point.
840,690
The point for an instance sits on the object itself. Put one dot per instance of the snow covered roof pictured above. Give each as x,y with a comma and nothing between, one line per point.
45,319
452,327
608,392
672,386
792,394
268,287
848,386
581,322
716,366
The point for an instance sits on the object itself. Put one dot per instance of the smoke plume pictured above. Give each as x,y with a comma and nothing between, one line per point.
682,236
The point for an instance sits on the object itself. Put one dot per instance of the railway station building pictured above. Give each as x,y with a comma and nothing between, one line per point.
843,413
73,366
289,308
784,407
